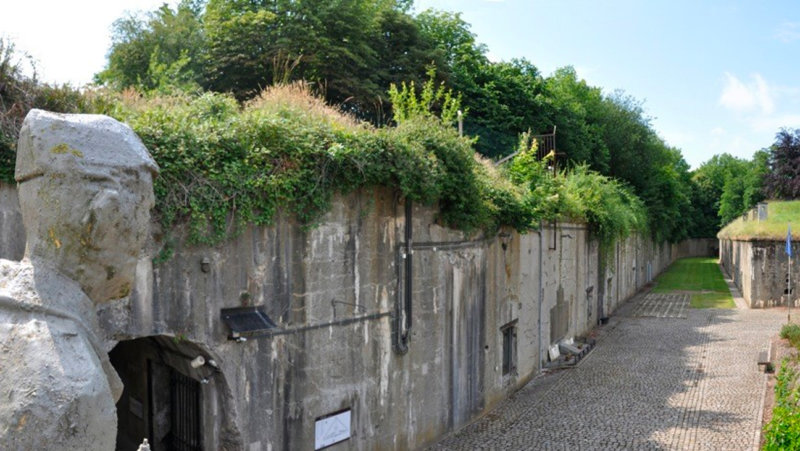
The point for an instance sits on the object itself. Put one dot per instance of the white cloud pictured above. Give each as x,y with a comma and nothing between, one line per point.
775,123
743,98
788,32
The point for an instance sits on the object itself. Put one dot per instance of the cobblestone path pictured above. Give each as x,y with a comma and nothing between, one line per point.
662,376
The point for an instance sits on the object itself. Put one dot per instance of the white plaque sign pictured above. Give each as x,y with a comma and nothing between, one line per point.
332,429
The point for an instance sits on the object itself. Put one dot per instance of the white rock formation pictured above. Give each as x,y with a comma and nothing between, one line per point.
85,189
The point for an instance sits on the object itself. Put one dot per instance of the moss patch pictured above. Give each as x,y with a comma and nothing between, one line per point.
63,148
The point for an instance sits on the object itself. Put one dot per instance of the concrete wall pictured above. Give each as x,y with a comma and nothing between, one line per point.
337,294
698,247
759,269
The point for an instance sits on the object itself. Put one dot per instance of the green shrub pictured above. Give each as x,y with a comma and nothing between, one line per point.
783,430
791,332
610,209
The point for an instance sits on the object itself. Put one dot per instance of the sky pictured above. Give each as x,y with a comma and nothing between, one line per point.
714,76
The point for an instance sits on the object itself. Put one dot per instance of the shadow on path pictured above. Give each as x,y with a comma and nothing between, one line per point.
650,383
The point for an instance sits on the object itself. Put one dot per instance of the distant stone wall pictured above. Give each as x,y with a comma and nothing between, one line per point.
759,270
337,293
698,247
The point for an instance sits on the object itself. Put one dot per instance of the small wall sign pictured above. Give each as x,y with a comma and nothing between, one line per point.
332,429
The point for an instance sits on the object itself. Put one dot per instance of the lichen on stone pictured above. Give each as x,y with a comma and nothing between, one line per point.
63,148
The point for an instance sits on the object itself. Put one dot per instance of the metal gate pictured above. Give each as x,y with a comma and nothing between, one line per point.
185,423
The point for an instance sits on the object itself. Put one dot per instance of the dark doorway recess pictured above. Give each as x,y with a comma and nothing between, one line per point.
164,394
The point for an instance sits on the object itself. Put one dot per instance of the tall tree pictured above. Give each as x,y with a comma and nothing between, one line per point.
503,99
241,37
577,109
404,55
723,188
162,49
782,180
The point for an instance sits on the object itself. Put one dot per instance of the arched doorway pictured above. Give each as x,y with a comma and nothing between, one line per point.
168,383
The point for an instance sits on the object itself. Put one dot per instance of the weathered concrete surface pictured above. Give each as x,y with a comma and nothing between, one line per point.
650,383
335,293
759,269
698,247
85,192
12,233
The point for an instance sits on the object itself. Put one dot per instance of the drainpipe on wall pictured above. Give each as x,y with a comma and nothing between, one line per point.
541,292
409,268
403,317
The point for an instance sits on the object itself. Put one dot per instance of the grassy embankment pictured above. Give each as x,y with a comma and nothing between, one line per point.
700,277
780,214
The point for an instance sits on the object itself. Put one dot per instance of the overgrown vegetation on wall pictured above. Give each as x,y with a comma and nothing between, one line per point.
288,149
350,54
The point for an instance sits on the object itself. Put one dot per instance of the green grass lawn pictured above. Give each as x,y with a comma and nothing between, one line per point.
712,300
701,277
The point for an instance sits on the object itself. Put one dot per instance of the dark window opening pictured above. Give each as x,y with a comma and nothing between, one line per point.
509,332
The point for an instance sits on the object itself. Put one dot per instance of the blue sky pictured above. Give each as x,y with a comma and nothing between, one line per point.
716,76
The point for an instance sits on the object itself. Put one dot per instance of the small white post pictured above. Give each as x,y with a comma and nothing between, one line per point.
460,123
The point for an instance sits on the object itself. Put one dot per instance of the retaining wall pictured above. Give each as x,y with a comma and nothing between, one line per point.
483,311
759,269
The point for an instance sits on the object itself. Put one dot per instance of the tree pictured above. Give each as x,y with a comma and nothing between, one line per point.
404,55
351,51
782,180
504,99
162,50
451,34
742,189
709,181
723,188
577,109
241,41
